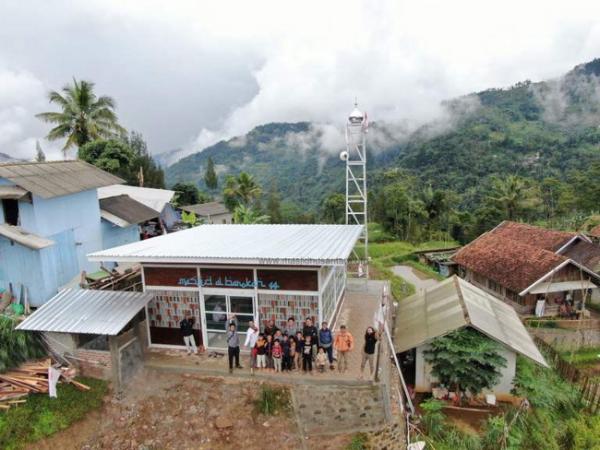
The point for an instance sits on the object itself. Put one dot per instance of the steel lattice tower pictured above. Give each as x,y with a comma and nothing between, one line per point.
356,180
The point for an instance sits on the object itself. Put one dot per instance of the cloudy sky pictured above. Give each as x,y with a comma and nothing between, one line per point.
187,73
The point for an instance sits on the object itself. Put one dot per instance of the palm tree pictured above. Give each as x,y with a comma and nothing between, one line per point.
84,117
246,215
511,195
242,189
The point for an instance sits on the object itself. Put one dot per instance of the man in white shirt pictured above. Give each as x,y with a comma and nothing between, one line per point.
251,338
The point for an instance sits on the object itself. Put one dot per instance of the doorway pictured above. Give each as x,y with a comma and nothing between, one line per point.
218,307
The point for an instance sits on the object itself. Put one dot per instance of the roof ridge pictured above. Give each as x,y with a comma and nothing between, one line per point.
461,300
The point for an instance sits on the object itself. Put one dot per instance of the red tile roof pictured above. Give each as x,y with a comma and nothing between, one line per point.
516,255
538,237
595,231
511,263
584,253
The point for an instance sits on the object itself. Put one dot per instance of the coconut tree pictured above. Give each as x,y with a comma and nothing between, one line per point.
84,117
242,189
245,215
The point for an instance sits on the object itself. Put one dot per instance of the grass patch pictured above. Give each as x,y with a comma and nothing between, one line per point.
386,254
42,416
358,442
583,357
273,401
542,323
593,306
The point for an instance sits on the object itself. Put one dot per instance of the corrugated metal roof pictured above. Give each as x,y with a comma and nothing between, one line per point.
243,244
127,209
456,303
56,178
12,192
87,311
207,209
20,236
151,197
562,286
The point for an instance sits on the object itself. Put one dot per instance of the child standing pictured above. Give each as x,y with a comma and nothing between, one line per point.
321,360
307,355
261,360
277,354
269,351
285,347
293,355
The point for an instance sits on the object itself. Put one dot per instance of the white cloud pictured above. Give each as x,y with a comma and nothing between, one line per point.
188,74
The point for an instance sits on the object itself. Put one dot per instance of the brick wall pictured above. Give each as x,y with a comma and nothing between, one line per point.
94,363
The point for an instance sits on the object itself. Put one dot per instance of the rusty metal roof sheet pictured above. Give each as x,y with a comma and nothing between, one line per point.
56,178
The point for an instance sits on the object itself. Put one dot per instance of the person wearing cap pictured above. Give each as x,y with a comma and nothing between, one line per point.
343,344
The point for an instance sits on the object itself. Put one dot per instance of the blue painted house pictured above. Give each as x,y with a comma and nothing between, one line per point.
50,218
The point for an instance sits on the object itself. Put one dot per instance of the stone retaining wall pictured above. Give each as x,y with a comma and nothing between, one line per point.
325,409
391,437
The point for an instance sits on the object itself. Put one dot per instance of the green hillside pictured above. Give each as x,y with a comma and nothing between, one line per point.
545,134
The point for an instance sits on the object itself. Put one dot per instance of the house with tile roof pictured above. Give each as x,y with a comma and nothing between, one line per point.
524,264
50,219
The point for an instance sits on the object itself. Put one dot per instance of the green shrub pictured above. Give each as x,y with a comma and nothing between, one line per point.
17,347
359,442
582,433
542,324
273,400
433,418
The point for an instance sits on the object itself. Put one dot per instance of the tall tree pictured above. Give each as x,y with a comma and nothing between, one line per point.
84,117
186,194
241,190
143,163
245,215
39,153
113,156
274,204
333,209
210,176
511,195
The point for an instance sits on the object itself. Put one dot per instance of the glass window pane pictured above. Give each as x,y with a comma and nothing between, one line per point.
241,305
216,339
215,303
216,320
243,321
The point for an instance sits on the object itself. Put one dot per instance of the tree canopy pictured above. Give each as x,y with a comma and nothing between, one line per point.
466,360
83,116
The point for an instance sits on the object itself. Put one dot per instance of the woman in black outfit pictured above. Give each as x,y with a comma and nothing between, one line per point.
368,350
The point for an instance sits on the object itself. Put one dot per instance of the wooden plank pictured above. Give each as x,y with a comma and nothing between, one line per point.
80,386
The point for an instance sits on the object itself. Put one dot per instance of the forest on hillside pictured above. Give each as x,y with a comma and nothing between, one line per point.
529,152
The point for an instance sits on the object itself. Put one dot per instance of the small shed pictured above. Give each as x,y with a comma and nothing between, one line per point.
101,332
452,305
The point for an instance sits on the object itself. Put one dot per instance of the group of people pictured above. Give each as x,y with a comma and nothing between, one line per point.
297,347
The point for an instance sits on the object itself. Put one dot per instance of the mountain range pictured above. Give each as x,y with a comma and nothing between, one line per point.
542,129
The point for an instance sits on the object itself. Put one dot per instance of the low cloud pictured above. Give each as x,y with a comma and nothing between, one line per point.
187,74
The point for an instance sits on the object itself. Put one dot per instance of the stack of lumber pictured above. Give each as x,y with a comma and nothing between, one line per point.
31,377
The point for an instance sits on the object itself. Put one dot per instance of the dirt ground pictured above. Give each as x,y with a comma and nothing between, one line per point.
186,411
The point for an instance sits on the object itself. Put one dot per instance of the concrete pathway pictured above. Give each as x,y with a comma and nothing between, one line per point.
408,273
